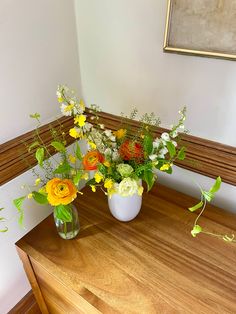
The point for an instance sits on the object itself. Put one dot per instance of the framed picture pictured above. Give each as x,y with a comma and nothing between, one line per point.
201,27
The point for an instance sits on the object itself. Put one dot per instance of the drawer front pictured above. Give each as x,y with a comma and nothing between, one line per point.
58,298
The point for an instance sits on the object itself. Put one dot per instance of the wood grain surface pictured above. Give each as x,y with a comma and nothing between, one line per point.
27,305
149,265
203,156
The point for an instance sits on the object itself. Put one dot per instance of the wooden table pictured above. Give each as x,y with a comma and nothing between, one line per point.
149,265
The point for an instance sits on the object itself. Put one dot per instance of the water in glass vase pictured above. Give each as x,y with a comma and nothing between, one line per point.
68,230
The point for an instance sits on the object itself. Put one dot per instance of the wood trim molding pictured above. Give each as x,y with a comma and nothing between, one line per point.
206,157
27,305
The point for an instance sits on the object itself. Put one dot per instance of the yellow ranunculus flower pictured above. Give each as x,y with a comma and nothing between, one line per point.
74,133
93,187
60,191
120,133
165,167
92,145
108,183
98,177
60,99
30,195
106,163
72,159
80,120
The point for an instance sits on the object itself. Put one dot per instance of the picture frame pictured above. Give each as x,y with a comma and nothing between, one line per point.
202,28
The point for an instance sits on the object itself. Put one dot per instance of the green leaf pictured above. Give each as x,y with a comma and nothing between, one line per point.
181,153
149,179
40,198
63,212
196,229
216,186
40,155
148,144
1,208
4,230
58,146
63,168
33,145
208,195
102,169
78,153
197,206
18,202
77,177
35,116
171,148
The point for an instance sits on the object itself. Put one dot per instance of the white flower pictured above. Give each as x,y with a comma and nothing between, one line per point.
174,143
66,110
87,126
112,138
108,151
165,136
108,133
156,143
128,187
174,134
115,155
153,157
102,126
162,152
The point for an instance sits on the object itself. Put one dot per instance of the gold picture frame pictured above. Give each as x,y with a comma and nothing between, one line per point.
171,29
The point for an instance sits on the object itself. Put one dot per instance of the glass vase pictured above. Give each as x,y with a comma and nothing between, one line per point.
68,230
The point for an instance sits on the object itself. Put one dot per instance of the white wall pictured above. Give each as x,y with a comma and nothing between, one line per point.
122,64
38,52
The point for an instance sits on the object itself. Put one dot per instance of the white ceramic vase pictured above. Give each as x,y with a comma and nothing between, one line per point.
124,208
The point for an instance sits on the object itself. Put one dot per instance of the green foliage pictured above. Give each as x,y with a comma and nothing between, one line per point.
181,153
171,149
196,229
77,177
40,198
63,212
40,156
147,144
35,116
78,153
197,206
33,145
64,168
18,202
149,178
207,196
58,146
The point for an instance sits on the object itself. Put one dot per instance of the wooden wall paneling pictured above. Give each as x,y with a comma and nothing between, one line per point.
207,157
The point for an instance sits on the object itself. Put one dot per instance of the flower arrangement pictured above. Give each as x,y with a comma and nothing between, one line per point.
57,177
123,157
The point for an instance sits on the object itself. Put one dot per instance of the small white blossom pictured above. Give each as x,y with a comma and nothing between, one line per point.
174,143
174,134
165,136
102,126
153,157
108,133
65,111
156,143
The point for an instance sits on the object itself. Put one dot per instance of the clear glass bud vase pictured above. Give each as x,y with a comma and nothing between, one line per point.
68,229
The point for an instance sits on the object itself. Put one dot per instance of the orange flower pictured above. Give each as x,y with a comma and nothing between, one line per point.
91,159
60,192
131,150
